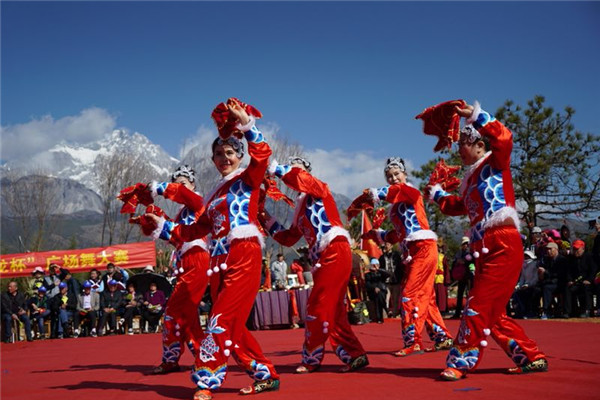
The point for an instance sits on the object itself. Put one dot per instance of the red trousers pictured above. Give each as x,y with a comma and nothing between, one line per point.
496,274
181,323
233,291
327,316
419,308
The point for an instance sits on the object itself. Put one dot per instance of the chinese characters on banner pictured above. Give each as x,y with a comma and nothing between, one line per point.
131,255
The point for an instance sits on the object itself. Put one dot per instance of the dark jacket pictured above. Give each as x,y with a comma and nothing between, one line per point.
57,301
376,279
396,269
13,304
556,270
581,268
110,299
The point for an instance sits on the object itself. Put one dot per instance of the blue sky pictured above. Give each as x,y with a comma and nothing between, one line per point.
344,79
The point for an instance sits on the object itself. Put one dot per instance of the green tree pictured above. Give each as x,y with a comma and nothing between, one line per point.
556,169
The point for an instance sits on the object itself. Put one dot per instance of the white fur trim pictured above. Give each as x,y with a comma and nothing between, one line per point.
188,245
500,217
434,190
469,171
248,126
245,232
476,112
153,186
272,167
222,182
374,197
156,233
332,234
423,234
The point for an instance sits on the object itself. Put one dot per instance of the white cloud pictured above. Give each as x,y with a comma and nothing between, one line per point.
40,134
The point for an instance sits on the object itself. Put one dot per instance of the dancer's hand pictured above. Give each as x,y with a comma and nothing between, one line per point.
466,111
238,112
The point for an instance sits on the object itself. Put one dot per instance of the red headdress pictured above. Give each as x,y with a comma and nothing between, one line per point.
444,176
442,121
227,125
131,196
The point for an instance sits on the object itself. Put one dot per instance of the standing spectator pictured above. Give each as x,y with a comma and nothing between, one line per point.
442,278
37,281
527,290
154,302
73,285
111,273
538,244
279,272
88,305
304,260
265,276
39,310
297,269
391,262
461,272
552,275
133,300
96,283
565,234
596,255
14,309
375,280
64,307
110,302
581,272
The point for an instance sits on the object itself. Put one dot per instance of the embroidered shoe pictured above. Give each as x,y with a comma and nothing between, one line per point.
307,369
443,345
203,394
260,386
409,351
452,374
165,368
540,365
359,362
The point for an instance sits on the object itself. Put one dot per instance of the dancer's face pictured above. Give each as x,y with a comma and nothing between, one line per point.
470,153
395,175
185,182
226,159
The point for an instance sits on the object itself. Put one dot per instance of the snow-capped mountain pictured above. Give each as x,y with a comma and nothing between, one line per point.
77,162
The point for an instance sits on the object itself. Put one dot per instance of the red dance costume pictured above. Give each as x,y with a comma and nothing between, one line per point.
487,197
411,229
317,219
235,263
181,324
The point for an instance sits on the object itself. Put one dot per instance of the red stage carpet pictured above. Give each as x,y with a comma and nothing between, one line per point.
114,368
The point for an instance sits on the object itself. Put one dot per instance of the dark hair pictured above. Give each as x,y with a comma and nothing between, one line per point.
486,143
279,255
110,265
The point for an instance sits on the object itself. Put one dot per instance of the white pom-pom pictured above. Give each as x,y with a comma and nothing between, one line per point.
415,315
216,269
228,343
223,266
408,259
209,272
485,250
476,254
318,265
487,332
227,352
177,326
236,347
325,330
468,257
325,324
483,343
177,334
416,309
181,270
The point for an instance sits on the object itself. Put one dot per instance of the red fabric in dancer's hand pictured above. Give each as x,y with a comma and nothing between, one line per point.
273,192
444,176
131,196
362,202
226,125
148,225
442,121
378,217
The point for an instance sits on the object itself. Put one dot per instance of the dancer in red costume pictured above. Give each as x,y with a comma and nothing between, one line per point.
317,219
235,246
487,197
411,229
181,323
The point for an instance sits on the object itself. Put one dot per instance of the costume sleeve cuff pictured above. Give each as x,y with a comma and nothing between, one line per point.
280,170
163,230
436,192
476,111
154,189
248,126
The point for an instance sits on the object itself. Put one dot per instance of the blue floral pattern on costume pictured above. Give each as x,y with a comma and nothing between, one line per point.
407,215
516,353
312,357
343,354
382,192
171,353
437,334
207,378
491,190
462,360
408,335
254,135
463,330
315,213
208,347
259,371
281,170
239,201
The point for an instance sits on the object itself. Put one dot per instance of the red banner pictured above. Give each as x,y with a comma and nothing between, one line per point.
131,255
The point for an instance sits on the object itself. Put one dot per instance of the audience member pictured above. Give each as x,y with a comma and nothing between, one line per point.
88,305
39,310
527,291
64,307
14,309
279,272
461,273
38,280
265,276
581,272
96,283
375,280
391,262
116,273
154,302
110,302
133,300
442,278
552,276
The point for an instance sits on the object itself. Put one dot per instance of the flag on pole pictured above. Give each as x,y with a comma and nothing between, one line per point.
368,245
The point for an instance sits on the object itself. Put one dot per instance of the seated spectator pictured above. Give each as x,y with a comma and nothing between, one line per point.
39,310
110,302
527,292
88,305
581,272
376,288
96,283
154,304
133,301
552,279
56,276
64,307
14,309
